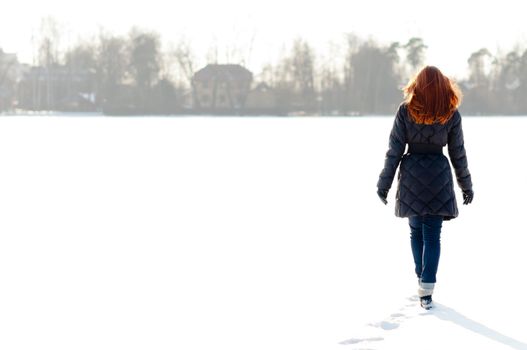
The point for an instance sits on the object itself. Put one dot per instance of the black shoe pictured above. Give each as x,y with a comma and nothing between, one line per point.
426,302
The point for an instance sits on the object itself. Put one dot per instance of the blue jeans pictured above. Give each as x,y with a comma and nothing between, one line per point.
426,247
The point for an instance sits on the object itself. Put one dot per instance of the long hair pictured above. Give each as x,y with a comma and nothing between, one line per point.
432,97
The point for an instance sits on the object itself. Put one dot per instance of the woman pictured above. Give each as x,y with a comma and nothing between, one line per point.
427,121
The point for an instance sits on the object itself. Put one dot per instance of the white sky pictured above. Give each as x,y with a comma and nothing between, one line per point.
451,29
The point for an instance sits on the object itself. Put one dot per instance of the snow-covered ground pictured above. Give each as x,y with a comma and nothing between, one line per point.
256,233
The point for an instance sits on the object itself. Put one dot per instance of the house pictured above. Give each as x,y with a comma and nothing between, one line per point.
221,88
10,71
57,87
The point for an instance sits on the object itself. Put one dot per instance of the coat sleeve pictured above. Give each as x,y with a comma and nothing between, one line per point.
457,153
396,147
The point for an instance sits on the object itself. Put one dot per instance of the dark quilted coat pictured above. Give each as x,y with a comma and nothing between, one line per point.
425,183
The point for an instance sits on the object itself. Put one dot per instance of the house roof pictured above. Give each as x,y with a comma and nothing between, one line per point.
223,72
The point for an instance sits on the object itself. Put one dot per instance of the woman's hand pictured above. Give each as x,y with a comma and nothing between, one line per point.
383,194
468,195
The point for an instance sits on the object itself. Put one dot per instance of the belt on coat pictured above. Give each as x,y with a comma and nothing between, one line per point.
424,148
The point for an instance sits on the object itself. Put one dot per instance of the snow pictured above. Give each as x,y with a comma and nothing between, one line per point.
257,233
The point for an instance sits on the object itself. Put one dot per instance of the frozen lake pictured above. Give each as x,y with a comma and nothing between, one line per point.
246,233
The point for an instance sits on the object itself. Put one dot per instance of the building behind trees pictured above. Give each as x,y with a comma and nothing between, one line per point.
134,75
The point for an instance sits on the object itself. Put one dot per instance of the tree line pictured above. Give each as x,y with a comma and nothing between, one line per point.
111,72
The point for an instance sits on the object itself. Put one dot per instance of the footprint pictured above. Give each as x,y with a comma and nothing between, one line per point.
387,326
390,323
360,340
414,299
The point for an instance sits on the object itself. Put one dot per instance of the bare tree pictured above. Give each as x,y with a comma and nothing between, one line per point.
186,60
330,88
81,64
112,63
48,58
415,53
479,67
478,85
522,76
507,81
303,73
247,59
7,79
372,81
144,58
239,49
212,53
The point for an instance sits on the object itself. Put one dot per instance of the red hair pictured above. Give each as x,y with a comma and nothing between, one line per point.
432,97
